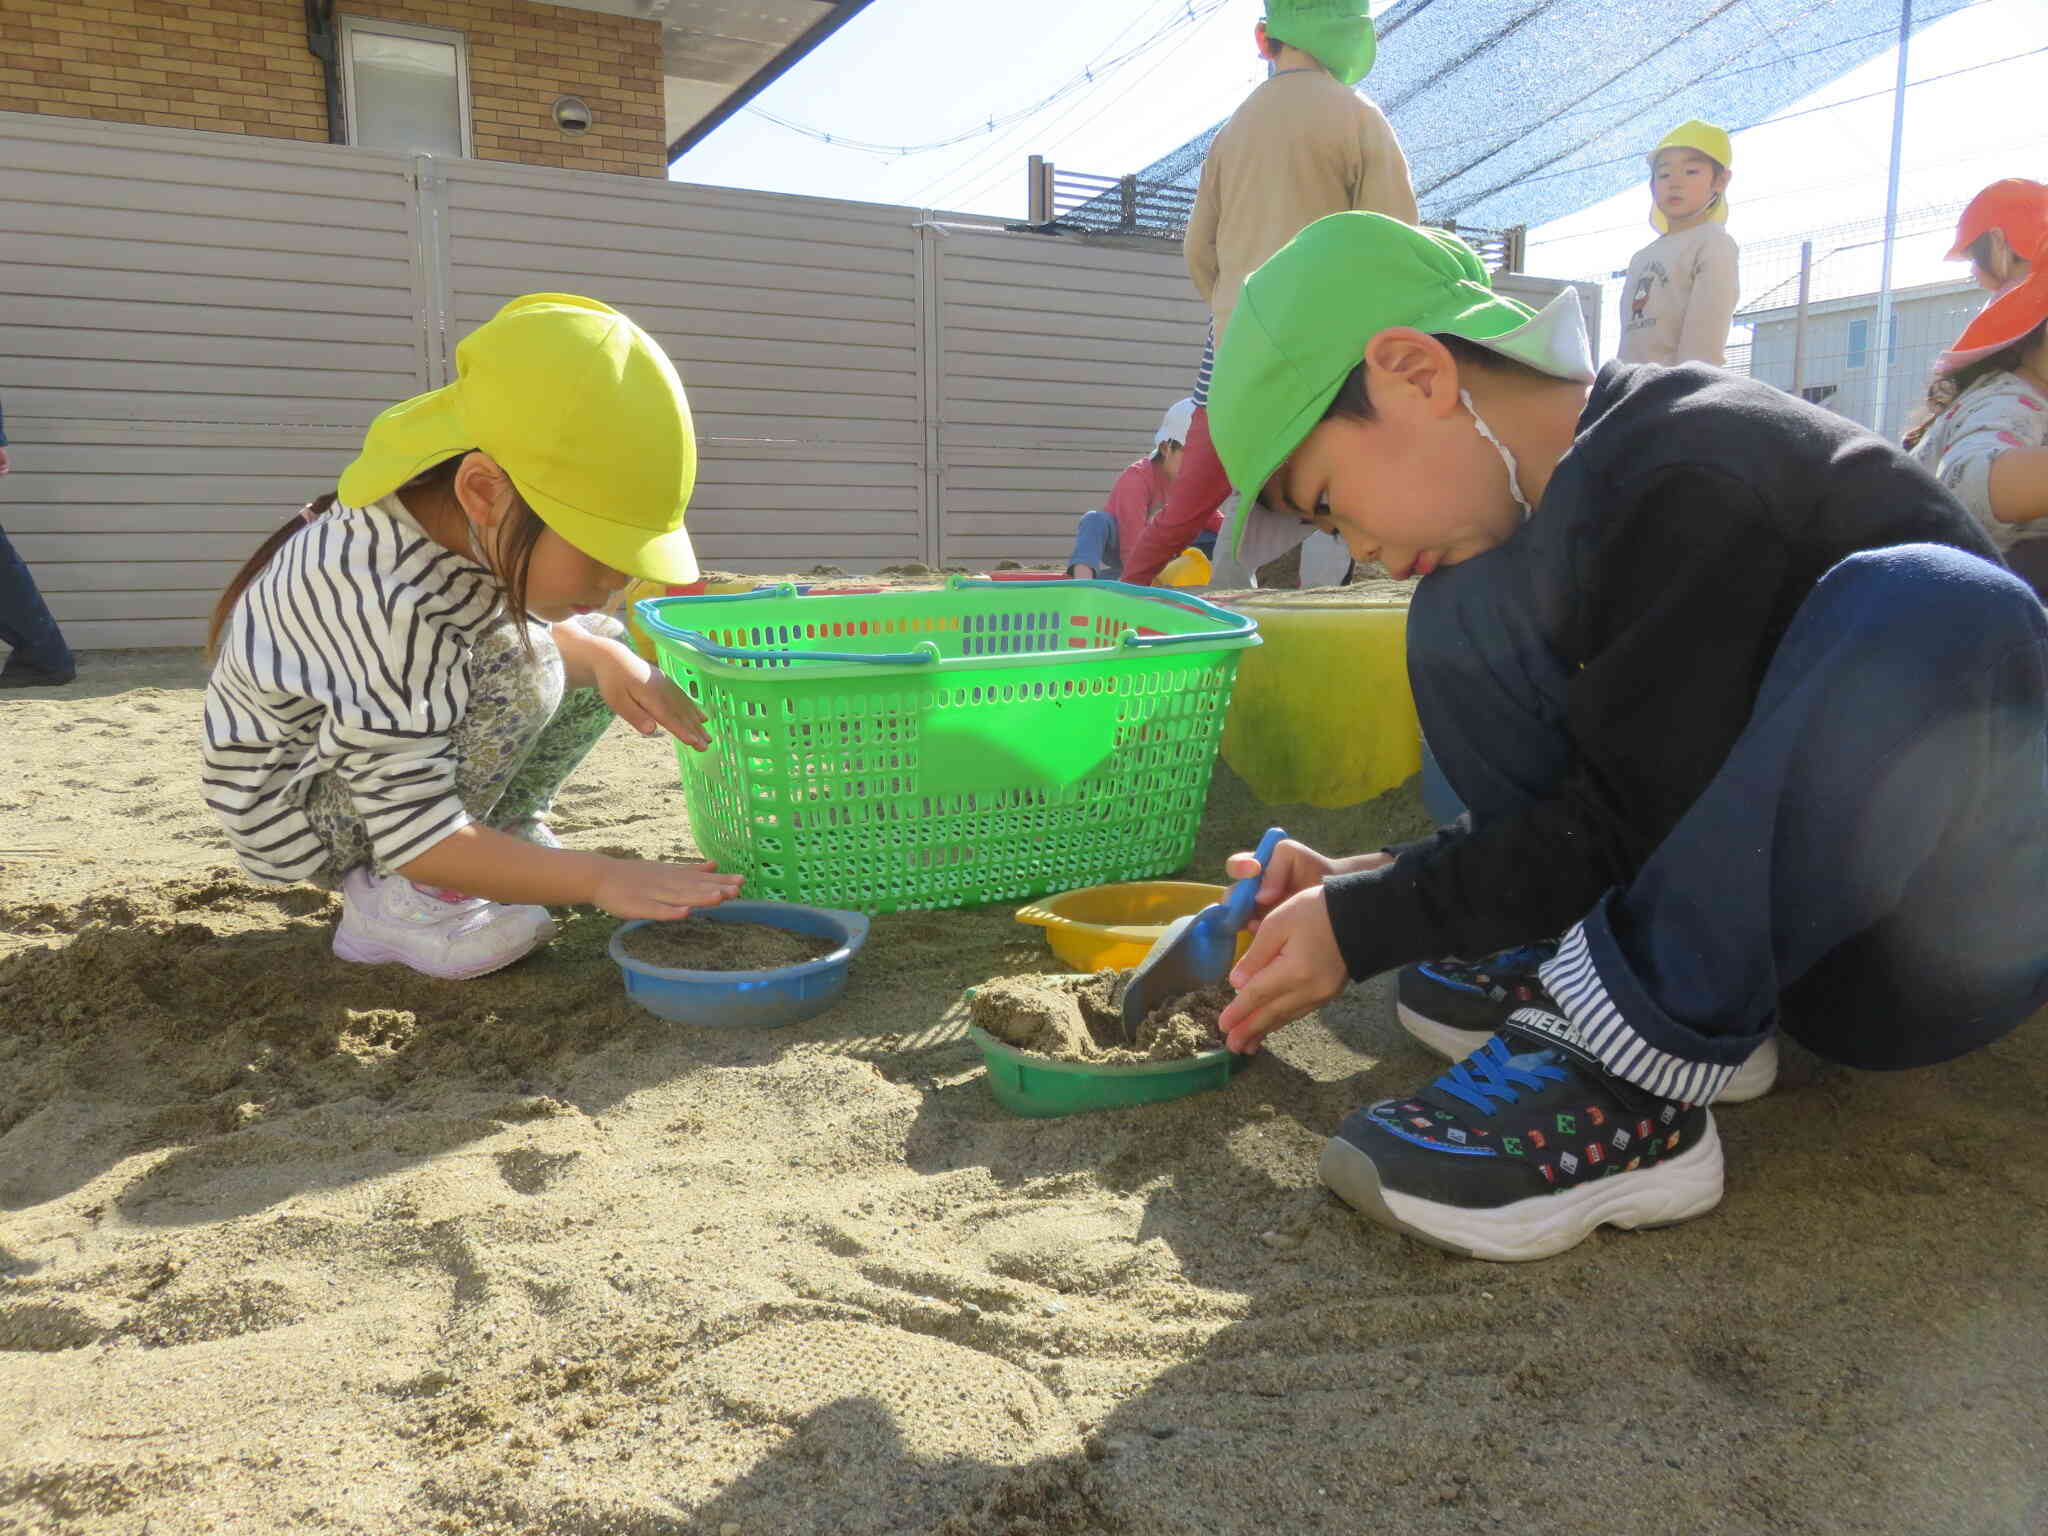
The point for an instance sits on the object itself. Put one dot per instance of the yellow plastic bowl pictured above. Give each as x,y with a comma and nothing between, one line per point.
1111,927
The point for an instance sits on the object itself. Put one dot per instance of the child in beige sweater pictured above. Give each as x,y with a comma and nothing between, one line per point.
1681,289
1304,144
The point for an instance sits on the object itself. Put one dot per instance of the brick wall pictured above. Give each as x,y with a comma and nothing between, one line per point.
241,66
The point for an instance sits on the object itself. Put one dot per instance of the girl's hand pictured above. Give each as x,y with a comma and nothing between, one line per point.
1296,867
1292,968
644,698
637,888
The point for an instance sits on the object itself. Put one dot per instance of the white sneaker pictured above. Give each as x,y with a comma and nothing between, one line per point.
386,919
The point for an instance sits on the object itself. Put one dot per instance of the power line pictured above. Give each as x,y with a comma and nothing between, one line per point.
972,171
1051,144
1193,12
1580,170
1986,152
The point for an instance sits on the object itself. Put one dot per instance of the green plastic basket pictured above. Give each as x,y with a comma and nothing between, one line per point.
989,742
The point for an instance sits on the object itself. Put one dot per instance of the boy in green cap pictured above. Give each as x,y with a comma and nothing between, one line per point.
1740,700
1304,144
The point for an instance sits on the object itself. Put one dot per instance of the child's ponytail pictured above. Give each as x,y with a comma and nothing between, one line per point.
1944,389
510,561
254,566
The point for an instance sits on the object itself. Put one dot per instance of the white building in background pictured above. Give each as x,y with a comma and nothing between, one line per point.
1844,355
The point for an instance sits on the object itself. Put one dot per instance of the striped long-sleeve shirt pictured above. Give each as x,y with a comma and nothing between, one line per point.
348,654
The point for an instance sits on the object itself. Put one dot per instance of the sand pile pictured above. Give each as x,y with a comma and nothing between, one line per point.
716,946
1080,1018
292,1245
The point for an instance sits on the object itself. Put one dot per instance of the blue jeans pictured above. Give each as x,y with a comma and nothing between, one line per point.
1869,868
1095,545
25,621
1438,798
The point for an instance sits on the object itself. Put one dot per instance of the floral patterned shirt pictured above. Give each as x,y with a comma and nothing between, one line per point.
1998,412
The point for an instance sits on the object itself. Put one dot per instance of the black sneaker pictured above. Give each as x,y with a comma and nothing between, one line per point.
1454,1007
1522,1149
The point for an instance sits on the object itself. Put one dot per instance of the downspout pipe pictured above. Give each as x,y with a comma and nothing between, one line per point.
323,42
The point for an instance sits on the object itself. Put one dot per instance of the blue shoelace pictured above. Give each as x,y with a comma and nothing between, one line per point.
1509,962
1492,1072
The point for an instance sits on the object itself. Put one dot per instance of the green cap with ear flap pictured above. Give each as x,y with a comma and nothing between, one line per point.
1337,34
1303,322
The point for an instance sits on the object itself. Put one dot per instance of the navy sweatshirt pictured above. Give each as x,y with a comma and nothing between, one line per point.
1676,539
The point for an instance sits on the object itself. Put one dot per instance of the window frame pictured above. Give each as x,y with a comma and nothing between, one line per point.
1857,355
347,27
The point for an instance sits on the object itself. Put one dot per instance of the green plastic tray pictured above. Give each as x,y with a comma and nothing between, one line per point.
1041,1087
992,741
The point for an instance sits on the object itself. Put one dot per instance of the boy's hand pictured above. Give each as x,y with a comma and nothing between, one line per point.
636,888
1295,867
1292,968
645,699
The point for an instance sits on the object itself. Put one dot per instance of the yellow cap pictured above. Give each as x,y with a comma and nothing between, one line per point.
581,408
1709,141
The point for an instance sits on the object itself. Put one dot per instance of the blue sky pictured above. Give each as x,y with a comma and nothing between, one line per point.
914,71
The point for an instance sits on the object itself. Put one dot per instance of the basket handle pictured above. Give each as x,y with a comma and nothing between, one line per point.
1237,626
925,653
650,616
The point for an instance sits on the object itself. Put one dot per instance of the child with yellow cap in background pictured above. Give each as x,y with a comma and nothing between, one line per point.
1680,295
1304,144
406,672
1741,701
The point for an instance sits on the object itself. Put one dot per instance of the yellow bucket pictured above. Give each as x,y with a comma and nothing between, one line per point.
1321,714
1189,568
1112,927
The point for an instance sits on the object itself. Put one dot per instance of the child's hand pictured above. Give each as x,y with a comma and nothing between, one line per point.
646,700
1295,867
637,888
1292,968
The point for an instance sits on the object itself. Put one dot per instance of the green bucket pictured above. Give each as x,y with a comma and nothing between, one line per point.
1039,1086
992,741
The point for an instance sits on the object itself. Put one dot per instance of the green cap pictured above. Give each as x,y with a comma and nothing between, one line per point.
1337,34
1302,323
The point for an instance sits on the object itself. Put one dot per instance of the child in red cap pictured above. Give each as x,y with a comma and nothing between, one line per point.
1985,432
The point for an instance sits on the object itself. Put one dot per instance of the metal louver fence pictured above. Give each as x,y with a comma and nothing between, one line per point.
1060,201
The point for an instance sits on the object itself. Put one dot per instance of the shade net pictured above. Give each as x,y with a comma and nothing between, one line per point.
1523,113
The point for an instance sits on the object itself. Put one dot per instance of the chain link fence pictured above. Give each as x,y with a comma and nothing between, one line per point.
1808,317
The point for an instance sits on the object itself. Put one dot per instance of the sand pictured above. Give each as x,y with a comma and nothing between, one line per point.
289,1245
718,946
1080,1018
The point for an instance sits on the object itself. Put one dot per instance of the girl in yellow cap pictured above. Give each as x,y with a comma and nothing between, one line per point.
1680,295
408,670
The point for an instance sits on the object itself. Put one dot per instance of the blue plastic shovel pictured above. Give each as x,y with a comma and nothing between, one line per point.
1197,951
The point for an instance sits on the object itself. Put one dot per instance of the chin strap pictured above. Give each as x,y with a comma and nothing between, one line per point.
1501,448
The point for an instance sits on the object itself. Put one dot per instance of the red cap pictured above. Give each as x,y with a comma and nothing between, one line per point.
2006,319
2016,206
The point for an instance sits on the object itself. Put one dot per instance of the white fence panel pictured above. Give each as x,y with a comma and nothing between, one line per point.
794,322
194,330
1056,359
